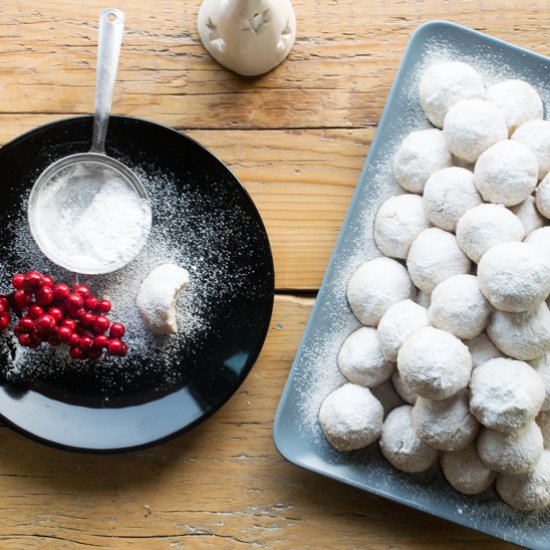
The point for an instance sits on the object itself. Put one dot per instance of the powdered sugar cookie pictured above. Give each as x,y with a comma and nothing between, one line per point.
434,363
465,471
529,491
443,84
375,286
459,307
422,153
397,324
361,360
506,173
448,194
400,445
524,336
505,394
536,135
471,126
484,226
517,100
514,276
446,425
351,417
513,453
398,221
433,257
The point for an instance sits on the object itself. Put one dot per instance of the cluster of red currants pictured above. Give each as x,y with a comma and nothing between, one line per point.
53,313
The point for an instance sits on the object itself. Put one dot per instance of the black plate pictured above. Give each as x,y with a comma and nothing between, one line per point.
204,220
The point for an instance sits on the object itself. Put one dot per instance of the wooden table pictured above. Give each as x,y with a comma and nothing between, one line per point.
297,139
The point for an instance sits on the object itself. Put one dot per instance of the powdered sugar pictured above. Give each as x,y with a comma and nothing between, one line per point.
181,233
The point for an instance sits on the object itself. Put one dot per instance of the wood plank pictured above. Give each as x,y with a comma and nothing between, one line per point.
223,485
338,74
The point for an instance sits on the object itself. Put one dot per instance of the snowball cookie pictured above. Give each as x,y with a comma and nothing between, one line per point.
484,226
445,425
459,307
514,276
482,349
536,135
529,491
398,221
375,286
542,196
361,360
471,126
448,194
465,471
541,239
421,153
543,420
397,324
505,394
528,215
404,391
542,367
513,453
506,173
523,336
434,363
400,445
434,256
517,100
351,417
443,84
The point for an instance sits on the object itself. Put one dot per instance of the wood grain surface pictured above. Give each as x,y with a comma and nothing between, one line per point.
297,138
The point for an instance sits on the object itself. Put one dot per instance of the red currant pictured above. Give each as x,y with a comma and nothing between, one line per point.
86,343
115,347
35,311
25,339
76,353
33,280
101,341
101,324
5,302
104,306
74,340
26,323
45,295
4,320
87,320
18,280
46,324
56,313
83,290
21,298
91,302
64,333
48,281
68,322
74,301
61,291
117,330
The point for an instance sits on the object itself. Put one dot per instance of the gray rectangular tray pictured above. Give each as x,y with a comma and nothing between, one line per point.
314,373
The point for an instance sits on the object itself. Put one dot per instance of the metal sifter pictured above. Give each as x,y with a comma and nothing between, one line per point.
88,212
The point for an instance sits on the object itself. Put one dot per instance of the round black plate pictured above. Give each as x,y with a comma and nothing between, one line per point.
73,407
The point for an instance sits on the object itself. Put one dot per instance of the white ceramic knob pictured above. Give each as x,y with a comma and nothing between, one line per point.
249,37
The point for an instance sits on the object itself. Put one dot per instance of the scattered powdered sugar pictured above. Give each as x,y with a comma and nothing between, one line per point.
315,372
182,233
